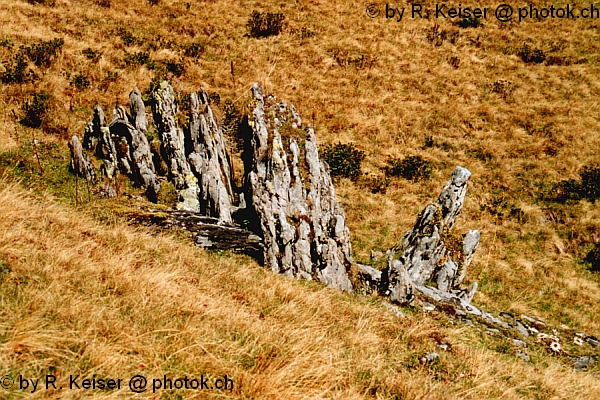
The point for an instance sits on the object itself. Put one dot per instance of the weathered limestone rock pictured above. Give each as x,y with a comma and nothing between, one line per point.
122,145
98,140
81,164
429,253
208,160
133,150
400,287
164,109
304,229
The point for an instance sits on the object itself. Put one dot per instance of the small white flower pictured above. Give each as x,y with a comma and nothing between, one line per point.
542,336
555,347
578,341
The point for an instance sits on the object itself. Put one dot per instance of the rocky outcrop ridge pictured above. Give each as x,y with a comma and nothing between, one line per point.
287,196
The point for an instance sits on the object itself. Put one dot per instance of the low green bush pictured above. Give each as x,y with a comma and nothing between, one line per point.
263,24
593,257
344,160
587,188
35,110
413,168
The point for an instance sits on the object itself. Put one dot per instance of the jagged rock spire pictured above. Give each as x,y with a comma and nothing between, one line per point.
208,160
303,227
429,252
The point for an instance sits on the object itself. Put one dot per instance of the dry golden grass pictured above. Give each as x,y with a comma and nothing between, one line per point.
516,146
79,297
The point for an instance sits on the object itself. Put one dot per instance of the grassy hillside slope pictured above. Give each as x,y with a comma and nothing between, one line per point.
83,298
475,97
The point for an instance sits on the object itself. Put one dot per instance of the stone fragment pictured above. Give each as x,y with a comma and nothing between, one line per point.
522,330
523,356
107,191
584,363
395,310
519,343
430,357
423,252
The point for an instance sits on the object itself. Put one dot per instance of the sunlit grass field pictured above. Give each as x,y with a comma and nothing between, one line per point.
515,103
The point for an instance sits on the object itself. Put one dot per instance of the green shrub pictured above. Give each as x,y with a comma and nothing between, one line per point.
91,54
570,189
35,110
42,54
265,24
139,58
344,160
590,183
175,67
17,70
529,55
127,36
80,81
470,22
413,167
593,257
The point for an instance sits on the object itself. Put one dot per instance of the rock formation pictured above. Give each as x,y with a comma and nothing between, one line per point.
164,109
131,131
122,145
208,160
429,254
287,197
303,227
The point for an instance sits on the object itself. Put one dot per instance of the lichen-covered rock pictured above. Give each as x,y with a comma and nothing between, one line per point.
164,109
81,164
303,227
399,287
209,160
92,131
429,252
133,151
98,140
